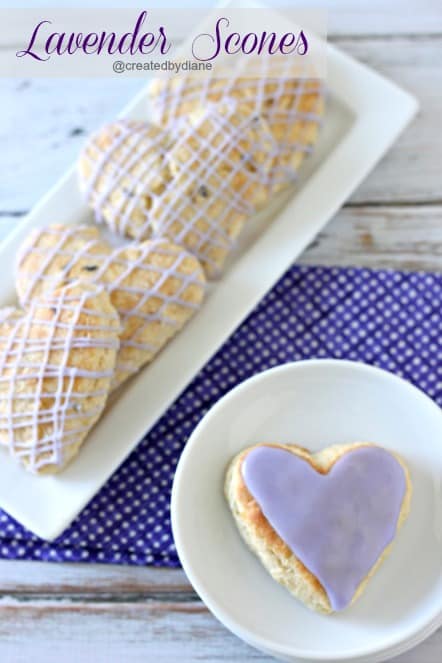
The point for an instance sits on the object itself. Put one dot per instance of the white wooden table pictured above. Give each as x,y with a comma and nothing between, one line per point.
53,612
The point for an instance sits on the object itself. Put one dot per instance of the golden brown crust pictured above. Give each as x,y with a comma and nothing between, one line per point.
56,365
176,282
273,552
122,169
45,258
292,108
196,184
156,286
220,163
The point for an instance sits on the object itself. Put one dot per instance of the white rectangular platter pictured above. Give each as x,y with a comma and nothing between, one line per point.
365,114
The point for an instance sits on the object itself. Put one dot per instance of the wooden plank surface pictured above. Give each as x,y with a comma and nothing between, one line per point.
69,612
105,613
345,17
401,236
67,111
103,632
20,578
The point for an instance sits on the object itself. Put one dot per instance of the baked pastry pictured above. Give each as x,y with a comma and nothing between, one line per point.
54,254
121,170
57,360
320,523
292,106
156,286
196,184
220,160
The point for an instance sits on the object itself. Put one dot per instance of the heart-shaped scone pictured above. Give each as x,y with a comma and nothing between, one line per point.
220,161
321,523
156,286
122,169
291,106
57,360
196,184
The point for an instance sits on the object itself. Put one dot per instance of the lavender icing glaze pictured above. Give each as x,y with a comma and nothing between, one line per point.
337,524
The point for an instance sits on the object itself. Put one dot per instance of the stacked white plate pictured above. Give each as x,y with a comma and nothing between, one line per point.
315,403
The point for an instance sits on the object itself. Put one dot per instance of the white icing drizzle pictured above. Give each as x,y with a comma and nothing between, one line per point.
104,261
213,170
63,235
136,146
270,84
158,247
132,144
27,380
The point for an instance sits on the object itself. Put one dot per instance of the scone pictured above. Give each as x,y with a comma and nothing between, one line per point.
57,361
156,286
292,107
122,169
56,253
321,523
220,161
196,184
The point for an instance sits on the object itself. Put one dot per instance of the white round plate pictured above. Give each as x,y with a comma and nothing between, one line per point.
315,403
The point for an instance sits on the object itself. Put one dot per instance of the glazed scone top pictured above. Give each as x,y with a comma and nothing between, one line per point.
121,169
156,286
291,105
276,482
196,184
57,360
337,523
220,160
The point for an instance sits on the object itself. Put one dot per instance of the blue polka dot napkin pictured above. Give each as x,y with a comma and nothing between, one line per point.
386,318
